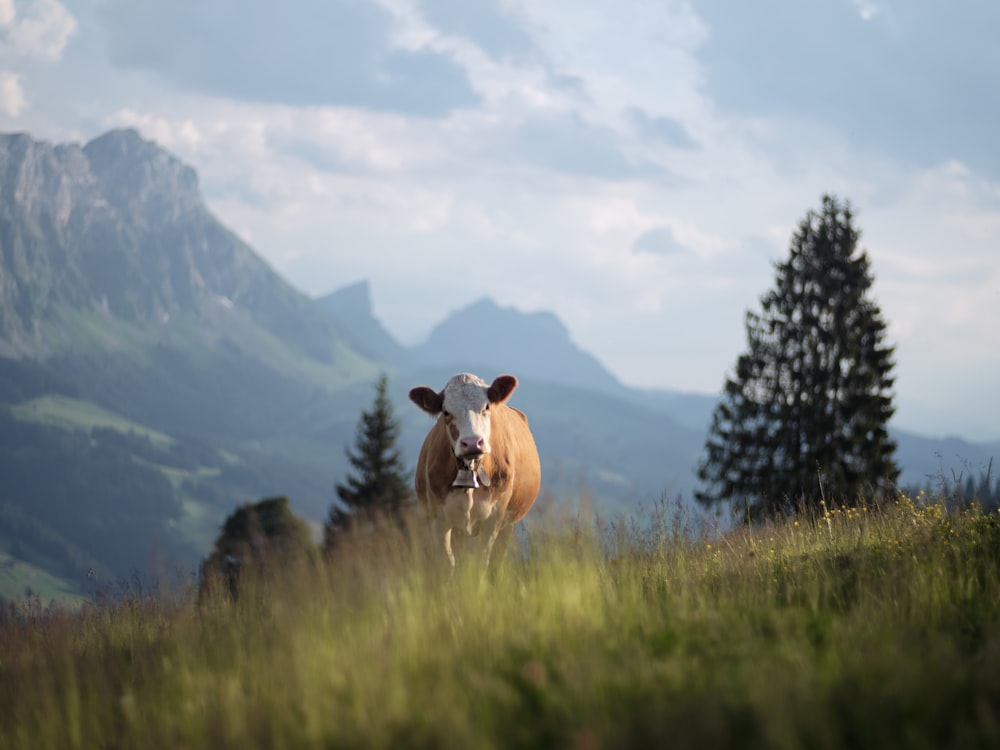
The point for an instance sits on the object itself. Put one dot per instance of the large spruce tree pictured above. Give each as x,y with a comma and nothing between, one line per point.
804,414
379,484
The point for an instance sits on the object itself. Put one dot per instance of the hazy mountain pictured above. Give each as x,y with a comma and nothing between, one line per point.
352,307
492,339
489,339
944,462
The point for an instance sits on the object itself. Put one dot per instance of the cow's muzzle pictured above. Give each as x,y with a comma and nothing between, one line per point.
473,447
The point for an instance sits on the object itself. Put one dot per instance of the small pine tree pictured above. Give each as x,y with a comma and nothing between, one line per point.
806,410
380,485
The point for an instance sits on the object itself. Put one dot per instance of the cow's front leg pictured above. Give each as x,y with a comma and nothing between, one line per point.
495,523
441,534
447,548
494,526
455,514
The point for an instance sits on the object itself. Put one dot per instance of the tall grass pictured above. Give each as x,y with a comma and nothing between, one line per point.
858,627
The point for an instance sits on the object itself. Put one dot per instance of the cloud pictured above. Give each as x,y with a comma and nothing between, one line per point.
867,10
11,95
490,25
38,29
913,79
663,130
568,144
180,135
659,241
310,53
309,151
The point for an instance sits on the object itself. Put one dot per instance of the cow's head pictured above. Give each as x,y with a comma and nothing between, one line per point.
464,405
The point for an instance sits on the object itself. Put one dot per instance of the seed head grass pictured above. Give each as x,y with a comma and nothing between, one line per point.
865,626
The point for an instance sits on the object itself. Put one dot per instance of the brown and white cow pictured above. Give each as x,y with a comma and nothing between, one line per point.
478,469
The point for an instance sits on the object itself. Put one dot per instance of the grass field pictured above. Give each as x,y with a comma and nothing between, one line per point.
862,627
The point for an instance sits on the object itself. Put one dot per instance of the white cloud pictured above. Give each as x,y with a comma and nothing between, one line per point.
7,12
40,30
866,9
179,136
12,100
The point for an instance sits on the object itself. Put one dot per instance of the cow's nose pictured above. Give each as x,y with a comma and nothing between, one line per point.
471,445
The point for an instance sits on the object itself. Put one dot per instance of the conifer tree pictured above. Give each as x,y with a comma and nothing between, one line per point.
804,414
379,484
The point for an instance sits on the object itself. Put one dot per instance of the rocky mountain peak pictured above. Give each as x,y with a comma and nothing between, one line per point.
117,228
353,310
38,178
142,178
352,300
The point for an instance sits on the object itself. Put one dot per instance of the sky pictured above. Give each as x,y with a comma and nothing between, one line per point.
635,167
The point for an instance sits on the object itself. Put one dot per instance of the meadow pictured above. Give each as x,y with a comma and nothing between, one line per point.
873,625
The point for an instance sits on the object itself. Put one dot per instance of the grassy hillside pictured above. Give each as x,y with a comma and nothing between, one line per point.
74,414
86,489
862,627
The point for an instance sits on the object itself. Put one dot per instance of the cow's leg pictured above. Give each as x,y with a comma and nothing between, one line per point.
447,549
440,528
454,515
495,530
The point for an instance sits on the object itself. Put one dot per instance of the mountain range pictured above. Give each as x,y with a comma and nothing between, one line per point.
156,372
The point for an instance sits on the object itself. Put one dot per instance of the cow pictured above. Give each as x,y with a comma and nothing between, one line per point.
478,469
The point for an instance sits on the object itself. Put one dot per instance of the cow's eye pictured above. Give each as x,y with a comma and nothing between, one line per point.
445,413
486,408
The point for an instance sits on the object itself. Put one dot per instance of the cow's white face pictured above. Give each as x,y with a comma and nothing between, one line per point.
464,406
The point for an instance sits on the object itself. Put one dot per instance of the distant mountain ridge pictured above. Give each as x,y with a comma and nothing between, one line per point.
352,306
536,344
482,335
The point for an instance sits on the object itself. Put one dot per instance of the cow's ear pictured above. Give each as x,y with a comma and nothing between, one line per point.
427,399
501,389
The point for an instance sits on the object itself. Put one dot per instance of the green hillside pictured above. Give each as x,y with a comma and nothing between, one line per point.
85,488
73,414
